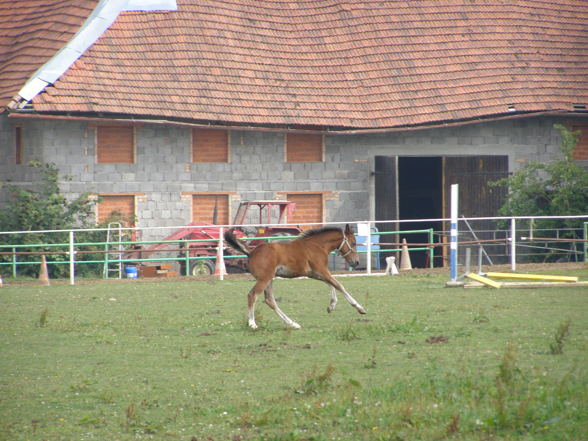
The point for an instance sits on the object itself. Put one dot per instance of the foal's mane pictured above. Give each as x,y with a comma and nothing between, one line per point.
317,231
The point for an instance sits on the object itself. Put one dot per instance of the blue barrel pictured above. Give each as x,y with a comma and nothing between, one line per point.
131,272
375,238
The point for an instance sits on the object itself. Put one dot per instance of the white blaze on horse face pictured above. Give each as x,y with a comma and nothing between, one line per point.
352,258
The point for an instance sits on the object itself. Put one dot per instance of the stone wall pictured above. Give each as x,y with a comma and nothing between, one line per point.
162,173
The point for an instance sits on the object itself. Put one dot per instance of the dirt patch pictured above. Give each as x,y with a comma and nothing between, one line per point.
437,339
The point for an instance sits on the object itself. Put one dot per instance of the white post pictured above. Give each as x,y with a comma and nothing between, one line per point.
513,245
72,265
453,232
221,254
369,248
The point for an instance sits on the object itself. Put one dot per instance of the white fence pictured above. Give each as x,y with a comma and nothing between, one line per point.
518,238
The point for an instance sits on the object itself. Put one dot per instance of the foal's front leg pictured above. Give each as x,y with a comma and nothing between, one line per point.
335,285
333,303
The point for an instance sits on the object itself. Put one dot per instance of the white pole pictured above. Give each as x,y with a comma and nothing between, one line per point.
72,265
513,245
221,254
369,249
453,232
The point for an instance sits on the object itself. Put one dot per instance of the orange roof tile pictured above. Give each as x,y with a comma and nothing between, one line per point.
333,63
31,32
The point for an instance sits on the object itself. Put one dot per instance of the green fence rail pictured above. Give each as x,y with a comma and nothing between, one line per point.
585,243
186,247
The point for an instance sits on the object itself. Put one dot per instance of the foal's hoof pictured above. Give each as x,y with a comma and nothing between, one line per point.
295,325
361,310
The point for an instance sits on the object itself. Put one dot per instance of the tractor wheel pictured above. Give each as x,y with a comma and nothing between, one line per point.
202,268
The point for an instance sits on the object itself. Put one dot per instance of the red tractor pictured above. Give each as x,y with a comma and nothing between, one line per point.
253,219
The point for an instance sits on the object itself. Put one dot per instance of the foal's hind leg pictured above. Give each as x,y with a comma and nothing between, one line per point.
251,298
271,302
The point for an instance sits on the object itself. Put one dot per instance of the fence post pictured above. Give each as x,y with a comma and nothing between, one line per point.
513,244
187,257
72,264
221,260
453,232
585,243
368,264
14,263
432,248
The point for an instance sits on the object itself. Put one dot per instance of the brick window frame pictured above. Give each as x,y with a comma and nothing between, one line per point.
125,203
210,145
115,144
304,147
202,207
580,152
310,207
18,145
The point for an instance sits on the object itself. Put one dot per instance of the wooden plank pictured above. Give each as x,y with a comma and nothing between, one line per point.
486,281
519,276
531,284
542,284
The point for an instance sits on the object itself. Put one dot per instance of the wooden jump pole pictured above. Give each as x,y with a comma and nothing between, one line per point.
518,276
486,281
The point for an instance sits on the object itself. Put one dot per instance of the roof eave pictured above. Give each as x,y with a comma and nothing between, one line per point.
115,119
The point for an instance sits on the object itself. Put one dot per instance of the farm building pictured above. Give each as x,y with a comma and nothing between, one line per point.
354,110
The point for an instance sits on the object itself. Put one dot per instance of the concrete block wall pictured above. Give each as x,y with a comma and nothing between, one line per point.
163,172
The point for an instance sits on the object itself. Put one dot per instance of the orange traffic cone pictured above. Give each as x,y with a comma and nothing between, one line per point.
219,267
43,273
405,257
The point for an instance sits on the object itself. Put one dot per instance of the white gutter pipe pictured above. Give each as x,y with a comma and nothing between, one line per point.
95,25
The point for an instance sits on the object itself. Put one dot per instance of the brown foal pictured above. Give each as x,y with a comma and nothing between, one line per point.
306,256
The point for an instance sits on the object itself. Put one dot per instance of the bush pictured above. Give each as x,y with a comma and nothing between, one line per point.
556,188
42,206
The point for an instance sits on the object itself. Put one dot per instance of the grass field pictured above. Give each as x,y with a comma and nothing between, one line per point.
175,360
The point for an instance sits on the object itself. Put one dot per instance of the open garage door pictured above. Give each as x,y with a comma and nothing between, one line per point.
418,187
477,198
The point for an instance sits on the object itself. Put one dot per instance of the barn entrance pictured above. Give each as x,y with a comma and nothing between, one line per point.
420,196
409,187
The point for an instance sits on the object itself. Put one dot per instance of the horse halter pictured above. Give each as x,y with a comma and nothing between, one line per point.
349,248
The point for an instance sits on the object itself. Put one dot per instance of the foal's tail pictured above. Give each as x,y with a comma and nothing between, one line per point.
236,243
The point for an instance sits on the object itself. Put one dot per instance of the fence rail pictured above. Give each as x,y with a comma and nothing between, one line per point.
514,242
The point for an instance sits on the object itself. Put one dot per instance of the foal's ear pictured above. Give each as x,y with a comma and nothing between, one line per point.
348,229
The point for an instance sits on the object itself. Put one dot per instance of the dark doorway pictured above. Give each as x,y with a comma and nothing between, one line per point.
417,187
420,195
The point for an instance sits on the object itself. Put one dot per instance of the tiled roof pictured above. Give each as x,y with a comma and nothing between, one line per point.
334,63
31,32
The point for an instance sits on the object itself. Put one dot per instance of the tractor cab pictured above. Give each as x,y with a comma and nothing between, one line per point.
265,218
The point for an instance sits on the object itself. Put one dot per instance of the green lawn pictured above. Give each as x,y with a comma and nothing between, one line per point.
175,360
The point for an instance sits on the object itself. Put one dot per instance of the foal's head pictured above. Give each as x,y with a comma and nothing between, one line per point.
348,247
